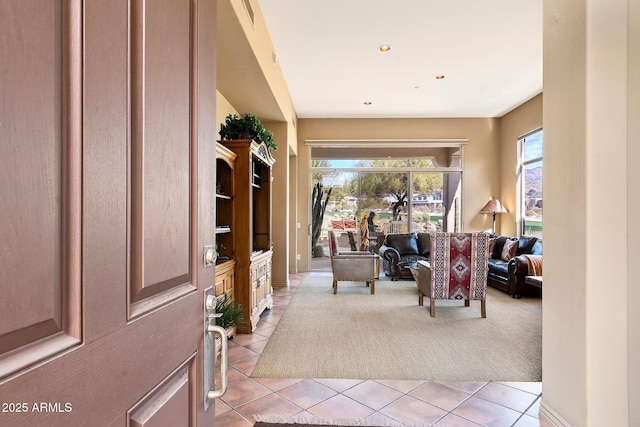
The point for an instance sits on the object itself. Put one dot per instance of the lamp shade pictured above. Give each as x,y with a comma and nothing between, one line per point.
493,206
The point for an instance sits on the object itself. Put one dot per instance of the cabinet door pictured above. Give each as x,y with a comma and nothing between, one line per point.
220,283
254,289
225,280
229,284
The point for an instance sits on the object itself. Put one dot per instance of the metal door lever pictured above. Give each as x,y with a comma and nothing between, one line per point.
224,361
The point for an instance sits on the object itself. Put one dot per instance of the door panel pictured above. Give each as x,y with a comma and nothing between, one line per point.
168,404
38,207
160,41
107,193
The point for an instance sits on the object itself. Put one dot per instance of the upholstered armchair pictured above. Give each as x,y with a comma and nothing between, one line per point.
352,266
457,269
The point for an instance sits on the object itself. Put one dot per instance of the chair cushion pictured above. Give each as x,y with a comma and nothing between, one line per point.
498,267
404,243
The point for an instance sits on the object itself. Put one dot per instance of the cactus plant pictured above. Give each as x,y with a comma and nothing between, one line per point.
318,206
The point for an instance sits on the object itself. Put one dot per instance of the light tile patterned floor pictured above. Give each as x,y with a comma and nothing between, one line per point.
363,402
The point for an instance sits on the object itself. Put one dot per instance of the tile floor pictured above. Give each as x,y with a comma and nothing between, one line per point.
362,402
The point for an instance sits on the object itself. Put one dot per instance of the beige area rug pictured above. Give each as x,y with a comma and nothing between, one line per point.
389,336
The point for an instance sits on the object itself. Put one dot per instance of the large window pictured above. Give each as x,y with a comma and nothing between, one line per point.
402,194
530,183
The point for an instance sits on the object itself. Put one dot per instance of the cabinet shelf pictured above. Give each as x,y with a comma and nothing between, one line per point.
225,221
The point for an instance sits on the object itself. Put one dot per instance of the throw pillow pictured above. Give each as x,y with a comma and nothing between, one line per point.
492,244
509,249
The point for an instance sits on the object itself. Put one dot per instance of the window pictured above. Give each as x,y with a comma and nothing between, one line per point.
530,183
397,195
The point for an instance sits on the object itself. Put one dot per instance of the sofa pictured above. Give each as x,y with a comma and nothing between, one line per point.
508,268
401,250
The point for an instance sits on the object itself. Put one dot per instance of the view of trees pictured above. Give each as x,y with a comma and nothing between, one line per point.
379,190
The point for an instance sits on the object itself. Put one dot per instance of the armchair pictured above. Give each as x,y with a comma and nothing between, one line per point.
352,266
457,269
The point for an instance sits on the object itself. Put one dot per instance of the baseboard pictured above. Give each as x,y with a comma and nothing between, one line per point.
280,284
551,417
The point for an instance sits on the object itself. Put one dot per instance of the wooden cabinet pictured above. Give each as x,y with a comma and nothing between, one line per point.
225,275
225,221
252,228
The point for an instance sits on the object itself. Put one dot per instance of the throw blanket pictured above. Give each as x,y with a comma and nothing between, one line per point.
534,263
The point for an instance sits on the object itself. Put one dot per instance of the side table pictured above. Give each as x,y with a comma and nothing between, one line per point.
534,281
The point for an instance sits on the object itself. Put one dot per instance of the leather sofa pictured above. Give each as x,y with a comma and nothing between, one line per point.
401,250
507,273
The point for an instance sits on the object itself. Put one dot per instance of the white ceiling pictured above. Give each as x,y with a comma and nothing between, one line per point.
490,52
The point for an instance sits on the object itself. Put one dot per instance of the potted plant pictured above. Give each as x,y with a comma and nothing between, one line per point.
247,127
232,314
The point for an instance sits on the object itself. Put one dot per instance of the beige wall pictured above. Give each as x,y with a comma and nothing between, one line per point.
294,220
481,166
522,120
223,109
633,197
259,40
280,204
587,329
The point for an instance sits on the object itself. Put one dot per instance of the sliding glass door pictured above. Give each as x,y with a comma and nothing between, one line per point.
390,199
435,201
385,195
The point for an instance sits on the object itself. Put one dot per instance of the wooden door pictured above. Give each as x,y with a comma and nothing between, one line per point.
107,176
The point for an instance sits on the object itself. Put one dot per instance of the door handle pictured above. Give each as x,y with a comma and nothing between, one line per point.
210,353
224,360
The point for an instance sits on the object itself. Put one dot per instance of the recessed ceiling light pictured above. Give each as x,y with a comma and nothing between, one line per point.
440,77
384,48
367,102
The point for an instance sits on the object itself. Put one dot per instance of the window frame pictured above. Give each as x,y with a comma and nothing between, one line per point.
520,178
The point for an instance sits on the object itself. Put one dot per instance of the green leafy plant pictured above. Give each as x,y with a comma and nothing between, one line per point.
247,127
319,204
232,313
